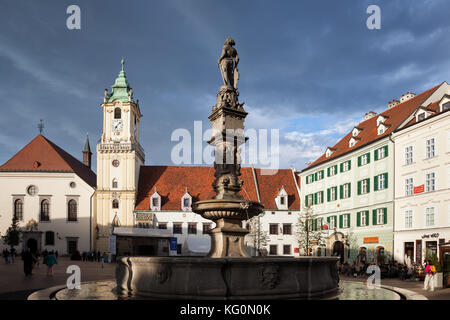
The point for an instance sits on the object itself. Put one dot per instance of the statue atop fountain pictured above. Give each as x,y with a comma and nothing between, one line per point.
228,207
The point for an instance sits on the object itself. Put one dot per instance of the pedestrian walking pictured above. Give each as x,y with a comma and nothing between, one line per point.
50,261
430,271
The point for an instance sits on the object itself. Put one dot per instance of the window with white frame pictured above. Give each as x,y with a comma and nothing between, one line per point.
332,222
380,216
333,193
332,170
186,202
381,153
430,148
381,130
429,217
155,202
408,219
364,159
430,182
409,155
319,197
364,186
320,175
363,218
310,200
381,182
345,222
346,191
346,166
409,186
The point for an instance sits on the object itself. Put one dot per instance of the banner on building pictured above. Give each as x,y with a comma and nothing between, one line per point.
419,189
173,246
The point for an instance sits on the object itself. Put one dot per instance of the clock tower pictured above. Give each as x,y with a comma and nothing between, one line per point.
119,158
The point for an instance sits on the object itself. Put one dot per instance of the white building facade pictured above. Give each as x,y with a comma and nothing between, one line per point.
352,186
51,194
422,178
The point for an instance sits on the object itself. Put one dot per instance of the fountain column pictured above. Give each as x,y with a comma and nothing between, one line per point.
228,207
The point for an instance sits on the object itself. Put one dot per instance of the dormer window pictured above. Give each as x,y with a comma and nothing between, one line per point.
155,202
355,132
381,130
446,106
186,202
352,142
380,119
282,200
329,152
421,116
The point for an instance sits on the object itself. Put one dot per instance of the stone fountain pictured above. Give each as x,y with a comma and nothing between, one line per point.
228,272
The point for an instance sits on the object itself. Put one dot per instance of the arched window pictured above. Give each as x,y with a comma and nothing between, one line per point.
117,113
114,183
18,209
115,204
45,210
72,210
49,238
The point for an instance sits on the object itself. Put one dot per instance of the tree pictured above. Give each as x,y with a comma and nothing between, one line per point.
12,236
259,237
308,230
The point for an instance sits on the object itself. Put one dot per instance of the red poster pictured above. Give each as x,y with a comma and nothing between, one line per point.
419,189
295,250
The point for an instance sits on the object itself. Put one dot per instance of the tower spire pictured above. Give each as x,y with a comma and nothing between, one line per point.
87,154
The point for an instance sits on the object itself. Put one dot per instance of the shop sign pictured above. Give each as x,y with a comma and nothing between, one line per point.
371,240
144,216
430,235
419,189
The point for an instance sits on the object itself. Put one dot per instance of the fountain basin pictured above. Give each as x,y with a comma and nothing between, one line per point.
227,278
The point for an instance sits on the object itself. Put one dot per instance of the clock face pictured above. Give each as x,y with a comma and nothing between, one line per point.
117,125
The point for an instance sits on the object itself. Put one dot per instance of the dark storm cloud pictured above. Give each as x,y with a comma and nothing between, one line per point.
307,58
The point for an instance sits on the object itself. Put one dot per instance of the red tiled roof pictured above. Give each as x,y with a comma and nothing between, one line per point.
433,107
270,186
171,183
42,155
395,116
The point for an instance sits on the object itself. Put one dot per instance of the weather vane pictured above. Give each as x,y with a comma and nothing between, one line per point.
41,126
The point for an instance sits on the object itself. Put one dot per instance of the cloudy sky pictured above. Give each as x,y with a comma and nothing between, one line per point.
310,69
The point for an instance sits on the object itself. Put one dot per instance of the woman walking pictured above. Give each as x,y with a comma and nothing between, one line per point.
50,261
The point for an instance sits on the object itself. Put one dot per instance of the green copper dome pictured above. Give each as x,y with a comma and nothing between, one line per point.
120,90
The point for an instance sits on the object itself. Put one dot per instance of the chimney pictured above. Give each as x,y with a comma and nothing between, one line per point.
406,96
87,154
369,115
393,103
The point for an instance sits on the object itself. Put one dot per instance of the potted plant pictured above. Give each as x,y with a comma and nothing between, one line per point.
439,276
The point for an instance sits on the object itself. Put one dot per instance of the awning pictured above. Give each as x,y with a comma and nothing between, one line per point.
142,232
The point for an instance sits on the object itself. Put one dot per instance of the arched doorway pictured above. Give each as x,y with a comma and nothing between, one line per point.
338,250
32,245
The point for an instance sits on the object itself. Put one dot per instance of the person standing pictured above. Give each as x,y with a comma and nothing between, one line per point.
102,259
429,276
28,260
50,261
6,255
12,254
